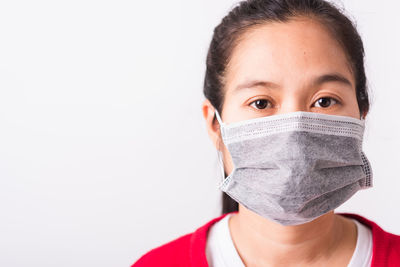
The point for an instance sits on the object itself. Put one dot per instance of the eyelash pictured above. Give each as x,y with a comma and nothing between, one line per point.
269,102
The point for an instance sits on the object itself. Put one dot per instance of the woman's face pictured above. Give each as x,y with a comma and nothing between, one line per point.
278,68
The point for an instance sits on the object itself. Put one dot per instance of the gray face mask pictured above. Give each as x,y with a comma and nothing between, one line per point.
292,168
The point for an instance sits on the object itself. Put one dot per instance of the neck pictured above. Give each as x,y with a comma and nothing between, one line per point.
309,243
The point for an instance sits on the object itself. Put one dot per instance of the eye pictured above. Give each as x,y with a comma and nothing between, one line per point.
325,102
260,103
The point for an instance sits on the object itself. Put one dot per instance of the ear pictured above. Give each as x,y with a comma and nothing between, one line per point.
211,123
364,114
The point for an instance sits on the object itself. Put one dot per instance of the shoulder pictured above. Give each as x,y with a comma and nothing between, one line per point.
168,254
386,246
182,251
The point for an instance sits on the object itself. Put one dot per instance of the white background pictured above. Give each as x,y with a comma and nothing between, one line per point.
103,149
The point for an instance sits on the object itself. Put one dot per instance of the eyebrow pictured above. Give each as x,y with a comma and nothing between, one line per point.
330,77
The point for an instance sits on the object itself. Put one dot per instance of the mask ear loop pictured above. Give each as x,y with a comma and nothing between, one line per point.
218,118
219,153
221,165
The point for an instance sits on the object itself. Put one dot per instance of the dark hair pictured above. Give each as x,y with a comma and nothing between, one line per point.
248,14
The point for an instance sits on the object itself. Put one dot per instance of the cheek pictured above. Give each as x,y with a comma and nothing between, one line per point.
352,108
236,110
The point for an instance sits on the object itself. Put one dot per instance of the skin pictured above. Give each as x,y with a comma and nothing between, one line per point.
289,56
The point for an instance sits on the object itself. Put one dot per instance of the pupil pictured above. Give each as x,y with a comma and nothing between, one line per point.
261,104
324,102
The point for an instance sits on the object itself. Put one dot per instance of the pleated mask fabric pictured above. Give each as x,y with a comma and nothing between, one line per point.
292,168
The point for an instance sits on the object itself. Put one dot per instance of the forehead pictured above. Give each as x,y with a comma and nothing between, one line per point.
286,52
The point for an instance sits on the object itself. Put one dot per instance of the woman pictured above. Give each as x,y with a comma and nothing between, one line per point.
286,100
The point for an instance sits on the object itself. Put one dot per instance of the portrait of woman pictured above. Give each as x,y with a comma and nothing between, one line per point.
285,105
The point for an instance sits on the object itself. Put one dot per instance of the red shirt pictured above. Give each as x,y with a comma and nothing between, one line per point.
189,249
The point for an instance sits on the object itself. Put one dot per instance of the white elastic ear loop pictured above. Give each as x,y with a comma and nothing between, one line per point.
219,153
218,117
221,164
